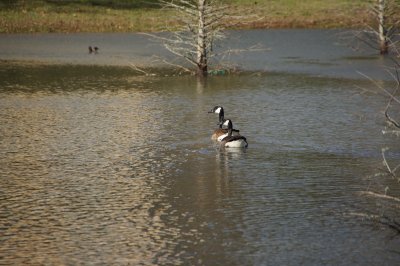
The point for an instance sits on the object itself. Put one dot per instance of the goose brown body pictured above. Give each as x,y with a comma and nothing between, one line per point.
222,131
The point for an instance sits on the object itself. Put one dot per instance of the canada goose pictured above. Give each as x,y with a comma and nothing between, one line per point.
90,49
221,131
233,141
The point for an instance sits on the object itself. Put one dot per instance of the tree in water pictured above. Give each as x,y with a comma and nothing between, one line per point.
381,36
381,12
201,27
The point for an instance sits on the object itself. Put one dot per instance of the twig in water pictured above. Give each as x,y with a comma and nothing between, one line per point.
138,69
377,195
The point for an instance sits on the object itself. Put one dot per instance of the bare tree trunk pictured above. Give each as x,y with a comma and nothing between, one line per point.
202,25
382,31
201,40
383,35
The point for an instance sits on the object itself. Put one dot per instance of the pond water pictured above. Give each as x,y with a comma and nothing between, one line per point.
101,166
315,52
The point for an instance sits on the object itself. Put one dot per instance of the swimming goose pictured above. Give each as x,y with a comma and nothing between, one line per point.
233,141
220,132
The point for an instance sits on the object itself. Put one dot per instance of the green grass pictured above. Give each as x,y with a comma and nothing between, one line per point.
78,16
309,13
146,15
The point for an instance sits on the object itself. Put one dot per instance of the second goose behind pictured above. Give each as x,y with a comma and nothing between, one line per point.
233,141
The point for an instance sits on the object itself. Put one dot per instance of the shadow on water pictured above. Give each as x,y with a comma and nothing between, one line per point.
101,165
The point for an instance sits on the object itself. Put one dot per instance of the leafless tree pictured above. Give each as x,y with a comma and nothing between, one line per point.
382,34
202,25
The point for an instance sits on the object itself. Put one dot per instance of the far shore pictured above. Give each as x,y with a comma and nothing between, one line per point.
118,16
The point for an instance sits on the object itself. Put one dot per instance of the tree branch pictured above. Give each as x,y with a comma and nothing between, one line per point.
380,87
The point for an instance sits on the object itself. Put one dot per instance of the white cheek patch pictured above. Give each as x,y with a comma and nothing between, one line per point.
226,123
218,110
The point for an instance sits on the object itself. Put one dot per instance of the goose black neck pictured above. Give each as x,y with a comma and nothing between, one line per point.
221,118
230,126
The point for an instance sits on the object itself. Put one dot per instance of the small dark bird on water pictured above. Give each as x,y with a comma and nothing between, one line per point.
93,49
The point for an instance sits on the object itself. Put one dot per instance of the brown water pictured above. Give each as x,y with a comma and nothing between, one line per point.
98,166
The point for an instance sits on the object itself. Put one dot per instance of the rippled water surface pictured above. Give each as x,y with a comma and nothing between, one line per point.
99,166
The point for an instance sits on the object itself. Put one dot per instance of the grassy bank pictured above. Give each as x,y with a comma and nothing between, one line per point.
23,16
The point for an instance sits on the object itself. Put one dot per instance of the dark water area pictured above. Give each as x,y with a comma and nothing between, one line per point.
99,165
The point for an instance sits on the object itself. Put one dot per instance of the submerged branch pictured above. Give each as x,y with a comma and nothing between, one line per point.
390,222
392,97
176,65
133,66
380,87
390,119
390,170
378,195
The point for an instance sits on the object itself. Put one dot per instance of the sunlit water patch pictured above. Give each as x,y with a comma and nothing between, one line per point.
101,166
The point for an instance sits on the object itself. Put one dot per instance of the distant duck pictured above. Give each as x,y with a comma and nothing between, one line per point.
93,49
233,141
221,132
